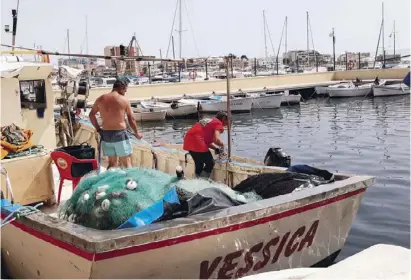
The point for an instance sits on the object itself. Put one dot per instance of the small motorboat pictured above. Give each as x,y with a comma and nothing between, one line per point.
355,89
143,114
174,109
323,90
390,90
261,100
216,103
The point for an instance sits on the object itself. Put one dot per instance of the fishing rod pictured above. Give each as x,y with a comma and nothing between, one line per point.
109,57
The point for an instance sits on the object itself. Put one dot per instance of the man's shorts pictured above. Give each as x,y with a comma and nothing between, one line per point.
116,143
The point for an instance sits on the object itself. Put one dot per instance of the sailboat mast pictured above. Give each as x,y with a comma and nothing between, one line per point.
383,25
265,36
308,45
286,26
181,26
383,39
394,39
86,36
68,42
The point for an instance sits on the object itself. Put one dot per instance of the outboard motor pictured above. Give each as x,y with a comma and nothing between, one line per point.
277,157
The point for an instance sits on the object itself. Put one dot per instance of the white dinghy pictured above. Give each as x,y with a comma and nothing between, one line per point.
174,109
142,114
261,100
219,103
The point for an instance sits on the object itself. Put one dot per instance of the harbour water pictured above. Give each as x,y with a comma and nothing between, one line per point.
357,136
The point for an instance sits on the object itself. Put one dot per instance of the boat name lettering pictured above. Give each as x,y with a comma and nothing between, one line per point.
287,245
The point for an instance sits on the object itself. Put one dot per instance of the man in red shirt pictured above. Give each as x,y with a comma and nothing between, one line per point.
202,137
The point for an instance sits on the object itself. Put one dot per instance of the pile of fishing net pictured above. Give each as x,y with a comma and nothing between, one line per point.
107,200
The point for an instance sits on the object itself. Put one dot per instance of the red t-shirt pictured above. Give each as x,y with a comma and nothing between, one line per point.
199,137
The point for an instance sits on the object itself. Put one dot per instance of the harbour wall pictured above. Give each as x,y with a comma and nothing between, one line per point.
280,82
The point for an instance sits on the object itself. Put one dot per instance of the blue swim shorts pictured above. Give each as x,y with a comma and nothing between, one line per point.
116,143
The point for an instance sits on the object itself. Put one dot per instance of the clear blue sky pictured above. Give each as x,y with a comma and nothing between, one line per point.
220,26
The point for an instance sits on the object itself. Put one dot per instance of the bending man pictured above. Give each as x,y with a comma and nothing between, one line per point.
115,141
203,136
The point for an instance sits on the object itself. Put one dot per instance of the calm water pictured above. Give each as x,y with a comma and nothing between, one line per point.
365,137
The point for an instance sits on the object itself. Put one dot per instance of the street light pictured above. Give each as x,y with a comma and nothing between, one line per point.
7,27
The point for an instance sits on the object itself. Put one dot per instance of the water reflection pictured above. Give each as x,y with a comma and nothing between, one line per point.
353,135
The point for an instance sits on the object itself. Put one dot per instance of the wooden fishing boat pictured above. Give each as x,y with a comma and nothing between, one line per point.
272,234
301,229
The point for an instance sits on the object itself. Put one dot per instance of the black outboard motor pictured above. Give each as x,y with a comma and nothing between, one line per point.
277,157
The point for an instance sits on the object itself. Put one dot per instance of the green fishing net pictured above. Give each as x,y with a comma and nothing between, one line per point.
106,200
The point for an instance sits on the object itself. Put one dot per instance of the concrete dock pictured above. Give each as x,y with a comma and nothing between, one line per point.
376,262
277,83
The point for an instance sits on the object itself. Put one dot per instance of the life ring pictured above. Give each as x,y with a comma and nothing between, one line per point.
192,75
351,65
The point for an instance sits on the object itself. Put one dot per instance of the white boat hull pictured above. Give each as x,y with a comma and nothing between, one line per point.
291,99
213,106
150,116
182,110
266,101
390,90
179,111
349,92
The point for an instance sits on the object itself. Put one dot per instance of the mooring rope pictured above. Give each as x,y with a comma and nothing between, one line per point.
19,213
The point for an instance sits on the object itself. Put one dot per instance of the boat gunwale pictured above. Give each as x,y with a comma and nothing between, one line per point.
92,241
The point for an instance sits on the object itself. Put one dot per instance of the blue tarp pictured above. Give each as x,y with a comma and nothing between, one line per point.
152,213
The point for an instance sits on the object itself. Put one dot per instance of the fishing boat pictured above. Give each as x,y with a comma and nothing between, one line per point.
174,109
271,234
217,103
261,100
390,90
143,114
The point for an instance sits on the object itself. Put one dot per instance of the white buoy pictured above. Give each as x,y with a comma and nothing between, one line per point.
86,196
131,184
100,195
105,205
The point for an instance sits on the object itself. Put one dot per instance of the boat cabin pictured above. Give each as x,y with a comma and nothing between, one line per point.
27,102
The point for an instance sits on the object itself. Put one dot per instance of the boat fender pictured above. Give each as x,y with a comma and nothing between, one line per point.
179,172
277,157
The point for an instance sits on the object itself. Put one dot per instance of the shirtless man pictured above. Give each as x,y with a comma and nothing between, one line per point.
115,142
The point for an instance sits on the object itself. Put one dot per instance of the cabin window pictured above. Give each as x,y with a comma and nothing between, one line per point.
33,94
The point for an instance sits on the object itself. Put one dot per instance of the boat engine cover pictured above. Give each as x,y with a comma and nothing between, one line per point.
277,157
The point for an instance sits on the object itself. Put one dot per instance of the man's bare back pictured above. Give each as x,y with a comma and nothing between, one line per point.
113,107
115,141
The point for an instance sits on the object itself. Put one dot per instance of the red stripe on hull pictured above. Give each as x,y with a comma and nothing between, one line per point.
181,239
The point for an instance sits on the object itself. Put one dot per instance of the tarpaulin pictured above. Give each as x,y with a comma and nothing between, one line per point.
153,212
